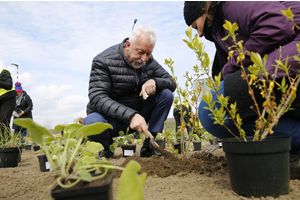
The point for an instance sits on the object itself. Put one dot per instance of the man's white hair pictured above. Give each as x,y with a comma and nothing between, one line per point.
148,31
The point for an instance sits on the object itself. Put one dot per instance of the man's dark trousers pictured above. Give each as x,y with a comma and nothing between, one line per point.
155,110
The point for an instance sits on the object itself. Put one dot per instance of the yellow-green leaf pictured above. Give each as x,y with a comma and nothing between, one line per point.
71,143
94,146
131,185
94,129
84,175
253,70
59,127
227,25
297,58
72,129
113,146
256,59
36,131
288,13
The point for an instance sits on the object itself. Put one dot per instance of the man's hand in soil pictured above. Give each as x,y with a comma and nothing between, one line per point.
139,124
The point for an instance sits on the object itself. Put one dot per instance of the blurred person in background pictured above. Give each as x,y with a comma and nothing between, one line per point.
7,100
23,108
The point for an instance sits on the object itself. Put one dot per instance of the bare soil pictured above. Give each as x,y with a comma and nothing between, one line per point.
194,177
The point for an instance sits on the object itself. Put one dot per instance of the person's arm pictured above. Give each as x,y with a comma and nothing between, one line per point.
163,79
28,103
262,26
159,80
99,93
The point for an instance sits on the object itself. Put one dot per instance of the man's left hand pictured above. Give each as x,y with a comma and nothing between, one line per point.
148,88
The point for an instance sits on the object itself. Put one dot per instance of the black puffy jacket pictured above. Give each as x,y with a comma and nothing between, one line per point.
113,88
26,105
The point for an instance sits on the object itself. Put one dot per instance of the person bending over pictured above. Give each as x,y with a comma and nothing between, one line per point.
129,88
263,29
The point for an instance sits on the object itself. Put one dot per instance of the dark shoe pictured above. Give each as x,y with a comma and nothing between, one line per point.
106,153
147,150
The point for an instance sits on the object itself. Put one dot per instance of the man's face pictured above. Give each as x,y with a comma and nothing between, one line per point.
138,53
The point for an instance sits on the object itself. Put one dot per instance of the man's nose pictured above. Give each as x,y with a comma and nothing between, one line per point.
144,58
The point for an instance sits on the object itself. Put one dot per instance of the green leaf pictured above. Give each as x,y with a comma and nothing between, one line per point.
49,139
256,59
235,27
94,129
227,25
80,163
297,58
113,146
288,13
36,131
71,130
59,127
131,184
225,38
253,70
71,143
84,175
94,146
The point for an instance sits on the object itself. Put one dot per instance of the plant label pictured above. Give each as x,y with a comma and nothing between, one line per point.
220,144
47,165
128,152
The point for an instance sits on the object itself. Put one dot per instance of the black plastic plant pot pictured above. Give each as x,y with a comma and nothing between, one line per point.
178,147
259,168
44,164
161,143
197,146
100,189
36,148
28,147
9,157
128,150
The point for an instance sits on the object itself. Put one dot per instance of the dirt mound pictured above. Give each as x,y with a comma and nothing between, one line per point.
167,166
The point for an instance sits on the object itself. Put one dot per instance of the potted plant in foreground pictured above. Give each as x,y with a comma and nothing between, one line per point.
82,158
10,148
258,166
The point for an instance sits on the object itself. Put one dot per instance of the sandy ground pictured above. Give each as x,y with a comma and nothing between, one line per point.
189,178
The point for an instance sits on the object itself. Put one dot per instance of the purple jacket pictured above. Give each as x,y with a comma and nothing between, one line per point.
262,27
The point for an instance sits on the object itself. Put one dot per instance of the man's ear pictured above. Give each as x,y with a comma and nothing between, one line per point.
127,44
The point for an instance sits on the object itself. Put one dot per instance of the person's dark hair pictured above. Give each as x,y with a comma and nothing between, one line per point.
194,9
210,10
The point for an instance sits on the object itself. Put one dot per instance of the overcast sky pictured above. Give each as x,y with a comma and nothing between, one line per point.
54,44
